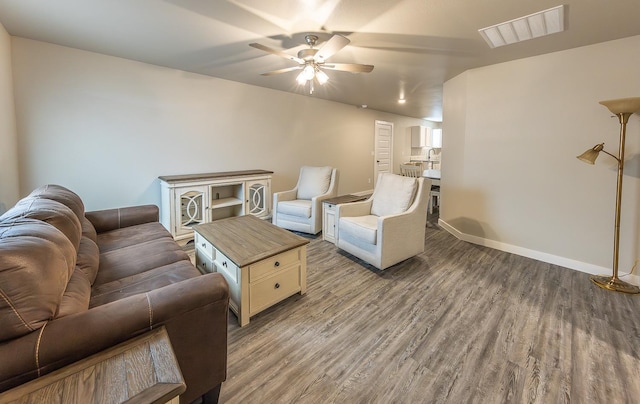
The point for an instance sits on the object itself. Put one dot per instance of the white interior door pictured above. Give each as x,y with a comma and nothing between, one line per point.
383,162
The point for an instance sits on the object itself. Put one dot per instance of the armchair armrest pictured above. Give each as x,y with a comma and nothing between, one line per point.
408,226
360,208
111,219
288,195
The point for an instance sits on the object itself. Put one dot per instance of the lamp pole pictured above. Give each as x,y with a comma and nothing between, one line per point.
613,282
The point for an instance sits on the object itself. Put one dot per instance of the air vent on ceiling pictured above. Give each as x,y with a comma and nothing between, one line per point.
521,29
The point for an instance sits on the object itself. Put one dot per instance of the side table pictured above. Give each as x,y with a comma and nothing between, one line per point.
329,214
140,370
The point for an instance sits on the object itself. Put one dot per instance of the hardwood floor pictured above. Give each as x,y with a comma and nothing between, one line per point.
459,323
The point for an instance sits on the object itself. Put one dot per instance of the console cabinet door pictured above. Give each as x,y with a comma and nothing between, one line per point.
258,197
191,208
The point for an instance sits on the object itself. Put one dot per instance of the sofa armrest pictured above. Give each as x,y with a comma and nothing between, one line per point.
111,219
193,311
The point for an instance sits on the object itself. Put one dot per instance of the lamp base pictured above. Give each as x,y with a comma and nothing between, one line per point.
615,284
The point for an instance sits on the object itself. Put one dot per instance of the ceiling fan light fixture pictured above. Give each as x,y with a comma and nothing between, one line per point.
312,60
308,72
301,79
321,76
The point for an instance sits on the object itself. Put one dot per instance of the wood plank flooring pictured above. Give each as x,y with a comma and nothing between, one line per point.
459,323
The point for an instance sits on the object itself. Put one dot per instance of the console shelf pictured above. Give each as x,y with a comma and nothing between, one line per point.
224,202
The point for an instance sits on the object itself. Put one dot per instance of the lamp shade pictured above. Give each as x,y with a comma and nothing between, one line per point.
623,105
592,154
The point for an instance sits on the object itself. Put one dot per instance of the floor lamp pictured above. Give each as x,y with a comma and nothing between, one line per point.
623,108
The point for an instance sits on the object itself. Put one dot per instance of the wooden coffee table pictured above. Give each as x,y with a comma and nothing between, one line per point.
262,263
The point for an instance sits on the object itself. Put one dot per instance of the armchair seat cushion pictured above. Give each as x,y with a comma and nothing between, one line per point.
298,207
364,228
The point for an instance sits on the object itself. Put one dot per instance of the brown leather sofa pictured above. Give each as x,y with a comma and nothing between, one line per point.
75,283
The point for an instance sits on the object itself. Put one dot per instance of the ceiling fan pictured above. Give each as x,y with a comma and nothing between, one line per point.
311,61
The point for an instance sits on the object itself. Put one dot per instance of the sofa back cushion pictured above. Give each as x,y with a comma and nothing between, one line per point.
76,296
393,194
50,211
60,194
88,259
88,230
313,181
36,263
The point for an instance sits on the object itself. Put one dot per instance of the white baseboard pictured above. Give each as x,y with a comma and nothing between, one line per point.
537,255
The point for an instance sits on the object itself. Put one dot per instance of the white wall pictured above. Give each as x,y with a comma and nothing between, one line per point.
9,191
108,127
510,177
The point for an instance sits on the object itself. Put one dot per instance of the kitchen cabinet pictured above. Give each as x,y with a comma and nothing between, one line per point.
421,136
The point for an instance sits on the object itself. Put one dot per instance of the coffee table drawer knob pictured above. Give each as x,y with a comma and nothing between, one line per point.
277,286
277,264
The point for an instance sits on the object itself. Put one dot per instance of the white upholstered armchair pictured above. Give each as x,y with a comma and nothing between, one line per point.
300,209
389,227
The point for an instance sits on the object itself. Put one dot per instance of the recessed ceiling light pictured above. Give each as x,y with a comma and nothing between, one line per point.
401,101
535,25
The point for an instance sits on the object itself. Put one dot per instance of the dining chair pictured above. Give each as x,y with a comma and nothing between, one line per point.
411,170
434,194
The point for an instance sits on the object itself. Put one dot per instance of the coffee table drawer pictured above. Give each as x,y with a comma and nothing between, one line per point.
203,245
203,262
269,266
225,265
273,289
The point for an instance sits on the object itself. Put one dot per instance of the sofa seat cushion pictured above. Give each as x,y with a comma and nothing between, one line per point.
132,235
137,258
299,207
393,194
142,282
36,262
313,181
360,227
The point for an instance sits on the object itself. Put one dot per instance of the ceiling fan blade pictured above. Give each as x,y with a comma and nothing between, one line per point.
285,70
348,67
330,47
276,52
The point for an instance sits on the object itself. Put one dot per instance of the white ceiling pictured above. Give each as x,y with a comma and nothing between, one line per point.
415,45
